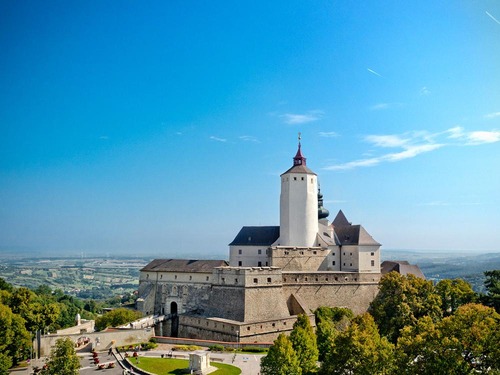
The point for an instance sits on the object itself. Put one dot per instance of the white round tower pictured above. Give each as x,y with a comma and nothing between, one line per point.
298,204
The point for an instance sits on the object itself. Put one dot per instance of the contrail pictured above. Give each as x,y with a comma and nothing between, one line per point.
374,72
493,18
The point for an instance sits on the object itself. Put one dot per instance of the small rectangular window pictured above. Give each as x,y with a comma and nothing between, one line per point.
240,263
295,178
268,279
255,281
373,263
259,264
333,263
259,251
372,254
239,251
302,178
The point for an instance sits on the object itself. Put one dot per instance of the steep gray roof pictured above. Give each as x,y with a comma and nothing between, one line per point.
354,235
340,220
402,267
183,265
299,169
256,236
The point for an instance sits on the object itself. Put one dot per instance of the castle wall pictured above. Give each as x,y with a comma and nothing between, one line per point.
226,330
340,289
299,258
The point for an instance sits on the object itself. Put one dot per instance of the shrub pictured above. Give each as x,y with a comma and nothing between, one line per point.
216,348
253,349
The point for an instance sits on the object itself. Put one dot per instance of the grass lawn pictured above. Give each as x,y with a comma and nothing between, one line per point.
164,366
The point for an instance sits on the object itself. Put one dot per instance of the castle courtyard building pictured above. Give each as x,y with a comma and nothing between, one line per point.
273,274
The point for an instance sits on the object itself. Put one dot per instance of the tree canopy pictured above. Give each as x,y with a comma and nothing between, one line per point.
304,343
116,317
281,359
63,359
401,301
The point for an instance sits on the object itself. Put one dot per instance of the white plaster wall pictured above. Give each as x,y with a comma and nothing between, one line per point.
249,256
349,258
298,210
365,259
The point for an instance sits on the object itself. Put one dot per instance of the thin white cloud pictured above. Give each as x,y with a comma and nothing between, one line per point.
416,143
214,138
380,106
480,137
302,118
473,138
435,204
492,115
424,91
328,134
493,18
374,72
249,138
387,140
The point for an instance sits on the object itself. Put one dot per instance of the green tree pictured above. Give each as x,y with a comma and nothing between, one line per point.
330,320
116,318
5,363
15,341
401,301
303,342
63,359
492,284
463,343
359,350
281,359
4,285
454,293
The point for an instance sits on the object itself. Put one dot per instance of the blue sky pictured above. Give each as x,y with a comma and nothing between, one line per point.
162,127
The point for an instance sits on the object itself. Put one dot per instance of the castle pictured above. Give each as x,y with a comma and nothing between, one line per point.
274,273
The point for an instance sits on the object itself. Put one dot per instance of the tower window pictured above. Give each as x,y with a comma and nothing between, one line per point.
372,254
240,263
373,263
255,281
259,264
295,178
239,251
259,251
268,279
302,178
333,263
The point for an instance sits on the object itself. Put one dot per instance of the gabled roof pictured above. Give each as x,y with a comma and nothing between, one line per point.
256,236
402,267
340,220
354,235
183,265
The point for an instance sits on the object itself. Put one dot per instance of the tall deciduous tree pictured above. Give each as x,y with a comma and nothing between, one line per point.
281,359
304,343
454,293
359,350
63,359
463,343
330,320
401,301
